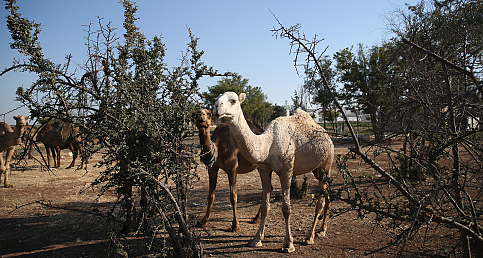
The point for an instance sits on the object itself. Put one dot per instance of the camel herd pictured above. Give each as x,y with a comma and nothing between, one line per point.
289,146
55,137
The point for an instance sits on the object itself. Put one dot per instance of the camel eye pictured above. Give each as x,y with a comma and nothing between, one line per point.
233,101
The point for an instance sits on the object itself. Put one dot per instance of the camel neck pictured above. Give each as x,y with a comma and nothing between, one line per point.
252,146
205,142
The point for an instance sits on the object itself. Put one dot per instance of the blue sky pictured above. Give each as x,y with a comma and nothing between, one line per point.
235,35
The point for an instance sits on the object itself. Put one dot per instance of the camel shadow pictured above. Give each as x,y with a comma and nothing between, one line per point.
237,245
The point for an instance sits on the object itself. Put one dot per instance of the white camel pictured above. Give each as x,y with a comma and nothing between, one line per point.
289,146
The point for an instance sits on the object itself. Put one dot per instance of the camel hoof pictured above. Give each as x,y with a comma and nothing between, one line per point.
321,234
255,220
255,243
289,249
309,241
235,229
7,185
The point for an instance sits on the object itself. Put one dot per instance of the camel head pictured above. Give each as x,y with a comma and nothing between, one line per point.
21,119
227,105
202,117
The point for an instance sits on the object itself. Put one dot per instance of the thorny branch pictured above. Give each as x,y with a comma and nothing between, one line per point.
300,45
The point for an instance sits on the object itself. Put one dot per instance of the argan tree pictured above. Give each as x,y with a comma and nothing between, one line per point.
136,109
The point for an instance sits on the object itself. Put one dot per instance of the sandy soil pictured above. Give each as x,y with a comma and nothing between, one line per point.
28,229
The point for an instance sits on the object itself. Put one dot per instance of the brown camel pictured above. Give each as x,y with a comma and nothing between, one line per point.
289,146
57,136
220,151
9,139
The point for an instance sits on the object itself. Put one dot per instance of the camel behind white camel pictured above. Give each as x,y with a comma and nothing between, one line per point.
289,146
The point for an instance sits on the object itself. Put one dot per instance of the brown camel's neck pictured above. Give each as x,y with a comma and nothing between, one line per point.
254,147
205,142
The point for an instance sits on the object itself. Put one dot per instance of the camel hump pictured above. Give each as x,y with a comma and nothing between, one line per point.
59,124
61,127
302,116
45,129
300,113
4,127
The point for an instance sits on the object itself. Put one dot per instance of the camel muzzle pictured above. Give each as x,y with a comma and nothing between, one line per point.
215,111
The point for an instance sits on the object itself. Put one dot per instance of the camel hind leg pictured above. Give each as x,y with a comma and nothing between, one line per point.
78,151
72,149
325,218
323,202
322,177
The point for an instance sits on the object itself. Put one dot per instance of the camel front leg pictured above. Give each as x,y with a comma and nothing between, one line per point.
285,182
48,150
213,175
266,178
235,225
8,156
56,150
256,219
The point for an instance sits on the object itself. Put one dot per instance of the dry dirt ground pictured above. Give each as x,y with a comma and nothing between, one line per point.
28,229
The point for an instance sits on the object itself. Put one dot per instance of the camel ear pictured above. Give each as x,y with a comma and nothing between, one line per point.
15,117
242,97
